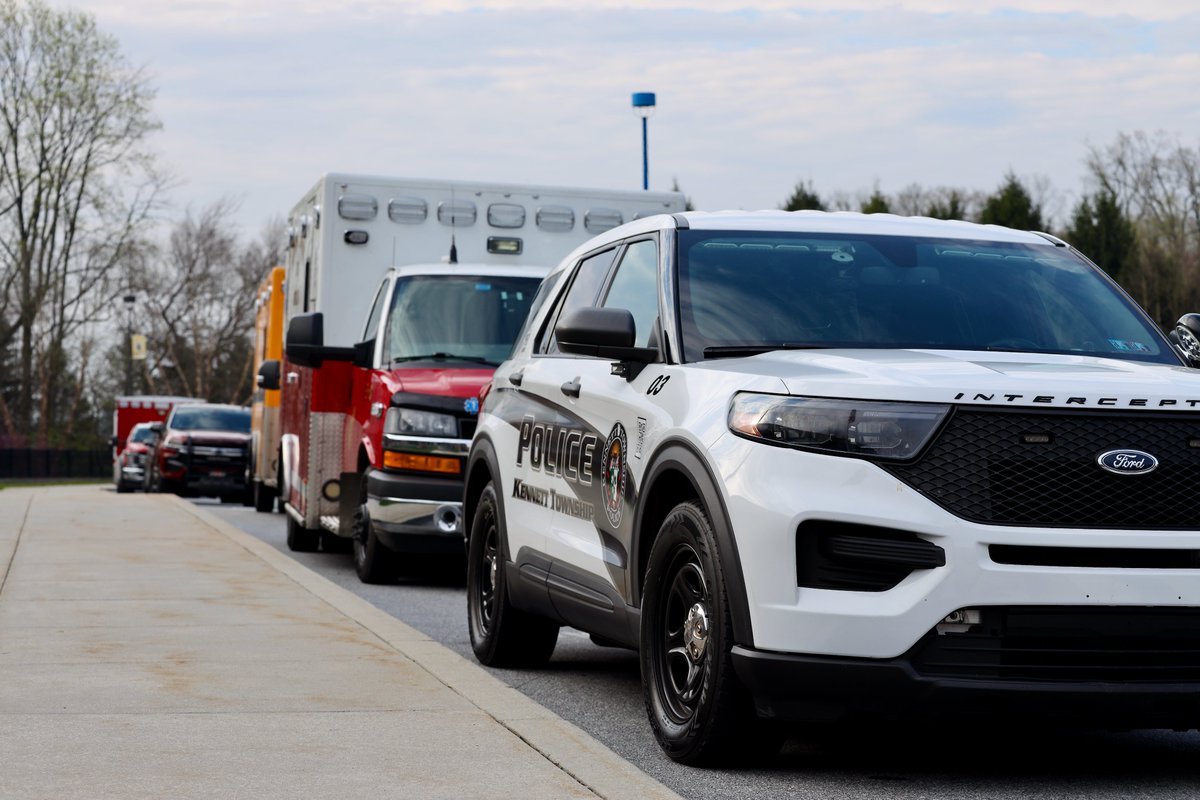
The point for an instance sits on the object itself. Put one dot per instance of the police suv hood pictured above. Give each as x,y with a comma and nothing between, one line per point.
986,378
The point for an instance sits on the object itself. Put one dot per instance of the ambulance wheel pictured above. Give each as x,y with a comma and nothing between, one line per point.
501,635
698,709
301,539
373,561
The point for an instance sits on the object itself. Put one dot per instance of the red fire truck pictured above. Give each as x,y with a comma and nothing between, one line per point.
377,416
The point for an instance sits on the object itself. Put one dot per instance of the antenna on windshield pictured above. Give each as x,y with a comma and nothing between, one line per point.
453,224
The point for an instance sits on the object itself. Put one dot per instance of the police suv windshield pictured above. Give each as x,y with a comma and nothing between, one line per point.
741,293
446,318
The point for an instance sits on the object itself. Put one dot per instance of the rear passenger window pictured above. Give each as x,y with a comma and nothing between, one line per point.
584,289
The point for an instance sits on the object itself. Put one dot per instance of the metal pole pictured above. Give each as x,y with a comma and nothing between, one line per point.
128,352
645,159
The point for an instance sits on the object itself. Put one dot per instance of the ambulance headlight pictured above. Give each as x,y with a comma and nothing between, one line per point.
416,422
885,431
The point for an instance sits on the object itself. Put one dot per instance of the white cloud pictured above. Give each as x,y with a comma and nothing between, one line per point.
260,98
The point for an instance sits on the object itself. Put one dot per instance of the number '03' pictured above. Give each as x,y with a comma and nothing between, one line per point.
657,384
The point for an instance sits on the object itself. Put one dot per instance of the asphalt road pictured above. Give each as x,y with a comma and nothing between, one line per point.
599,690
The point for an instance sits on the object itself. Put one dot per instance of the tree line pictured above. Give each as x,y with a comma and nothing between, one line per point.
82,260
88,253
1138,218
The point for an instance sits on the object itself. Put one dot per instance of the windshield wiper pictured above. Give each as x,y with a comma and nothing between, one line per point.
737,350
445,357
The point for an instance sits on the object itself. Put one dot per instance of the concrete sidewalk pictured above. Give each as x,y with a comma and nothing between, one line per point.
149,650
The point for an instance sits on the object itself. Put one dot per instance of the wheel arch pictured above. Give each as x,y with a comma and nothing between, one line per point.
482,466
677,474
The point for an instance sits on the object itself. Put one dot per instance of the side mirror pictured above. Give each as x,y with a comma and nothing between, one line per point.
602,332
1186,338
268,375
305,342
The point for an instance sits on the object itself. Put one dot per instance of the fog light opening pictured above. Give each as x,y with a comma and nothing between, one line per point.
959,621
447,518
332,490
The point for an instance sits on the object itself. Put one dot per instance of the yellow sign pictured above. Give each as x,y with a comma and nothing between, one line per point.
137,346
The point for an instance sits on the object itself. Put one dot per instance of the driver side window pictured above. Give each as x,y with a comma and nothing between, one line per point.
635,288
589,277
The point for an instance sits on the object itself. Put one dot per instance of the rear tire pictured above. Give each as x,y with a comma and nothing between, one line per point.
501,634
301,539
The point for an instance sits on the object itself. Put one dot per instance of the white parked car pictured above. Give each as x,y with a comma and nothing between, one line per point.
827,467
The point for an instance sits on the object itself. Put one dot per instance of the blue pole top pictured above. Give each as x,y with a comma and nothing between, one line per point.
643,99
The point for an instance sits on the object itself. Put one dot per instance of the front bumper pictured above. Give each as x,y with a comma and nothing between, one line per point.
412,513
771,491
827,690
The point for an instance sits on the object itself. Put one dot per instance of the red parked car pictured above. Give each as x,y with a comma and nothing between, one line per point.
129,468
203,451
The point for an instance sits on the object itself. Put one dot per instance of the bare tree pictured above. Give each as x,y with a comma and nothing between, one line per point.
76,185
199,306
1155,181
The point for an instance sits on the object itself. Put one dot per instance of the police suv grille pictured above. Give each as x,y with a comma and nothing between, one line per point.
1069,644
1015,468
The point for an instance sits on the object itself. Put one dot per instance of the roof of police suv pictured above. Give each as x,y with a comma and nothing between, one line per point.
852,222
827,222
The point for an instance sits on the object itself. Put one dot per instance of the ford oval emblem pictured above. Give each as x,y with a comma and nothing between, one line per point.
1127,462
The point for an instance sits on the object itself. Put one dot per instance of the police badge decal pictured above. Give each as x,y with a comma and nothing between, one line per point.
612,468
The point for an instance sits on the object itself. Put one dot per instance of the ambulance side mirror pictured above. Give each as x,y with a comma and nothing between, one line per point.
268,375
305,342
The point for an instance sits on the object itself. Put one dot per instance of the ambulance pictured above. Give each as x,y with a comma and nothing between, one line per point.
402,295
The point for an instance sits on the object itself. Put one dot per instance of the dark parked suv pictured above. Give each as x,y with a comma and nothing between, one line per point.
203,452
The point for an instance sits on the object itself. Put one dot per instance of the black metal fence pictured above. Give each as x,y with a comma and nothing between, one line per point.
32,462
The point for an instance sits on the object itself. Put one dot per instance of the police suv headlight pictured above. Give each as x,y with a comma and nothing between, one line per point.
885,431
413,422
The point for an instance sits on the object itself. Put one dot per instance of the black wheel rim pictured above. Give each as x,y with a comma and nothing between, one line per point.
487,579
683,656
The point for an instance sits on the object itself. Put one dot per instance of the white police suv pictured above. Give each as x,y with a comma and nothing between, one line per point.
823,467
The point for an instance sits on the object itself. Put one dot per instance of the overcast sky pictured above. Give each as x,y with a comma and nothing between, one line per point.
260,97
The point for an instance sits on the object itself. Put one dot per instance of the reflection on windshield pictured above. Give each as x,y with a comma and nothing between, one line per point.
212,419
753,290
456,317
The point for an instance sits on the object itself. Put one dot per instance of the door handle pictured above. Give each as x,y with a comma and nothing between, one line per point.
515,378
293,377
571,388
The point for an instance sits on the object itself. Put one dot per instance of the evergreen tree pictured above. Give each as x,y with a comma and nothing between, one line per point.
803,198
1012,207
876,203
952,206
1102,232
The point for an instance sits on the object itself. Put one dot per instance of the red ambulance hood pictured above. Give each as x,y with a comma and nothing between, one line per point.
447,382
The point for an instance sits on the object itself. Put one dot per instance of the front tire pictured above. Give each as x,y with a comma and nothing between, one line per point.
697,707
373,561
501,634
